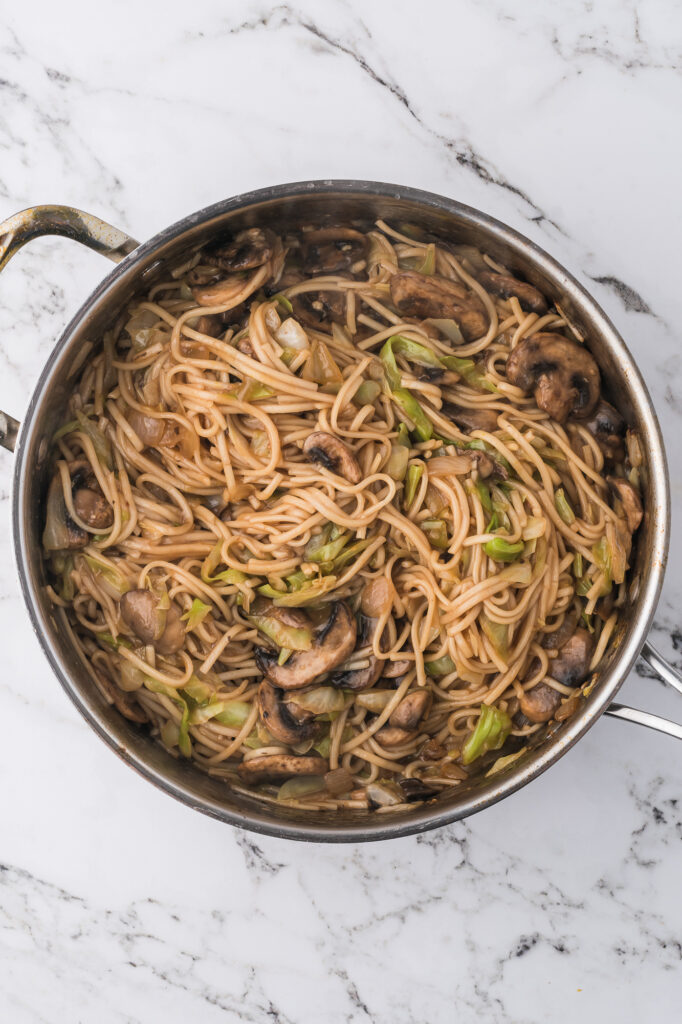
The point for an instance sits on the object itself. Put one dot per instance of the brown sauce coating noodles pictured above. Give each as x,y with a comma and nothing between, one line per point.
342,515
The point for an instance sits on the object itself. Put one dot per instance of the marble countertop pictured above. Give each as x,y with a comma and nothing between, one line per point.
563,902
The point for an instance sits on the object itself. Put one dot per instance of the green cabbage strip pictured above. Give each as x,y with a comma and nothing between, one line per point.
491,731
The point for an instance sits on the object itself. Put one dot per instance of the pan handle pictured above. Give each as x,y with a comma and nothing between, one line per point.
57,220
667,674
67,221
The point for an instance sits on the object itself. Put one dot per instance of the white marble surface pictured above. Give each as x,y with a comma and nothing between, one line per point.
563,903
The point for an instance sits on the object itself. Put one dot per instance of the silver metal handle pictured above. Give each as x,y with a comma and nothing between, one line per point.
667,674
57,220
67,221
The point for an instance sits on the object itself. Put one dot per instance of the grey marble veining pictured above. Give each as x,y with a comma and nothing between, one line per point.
562,903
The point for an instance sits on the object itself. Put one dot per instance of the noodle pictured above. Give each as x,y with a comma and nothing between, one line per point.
341,516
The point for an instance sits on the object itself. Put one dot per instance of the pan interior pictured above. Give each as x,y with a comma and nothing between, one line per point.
289,207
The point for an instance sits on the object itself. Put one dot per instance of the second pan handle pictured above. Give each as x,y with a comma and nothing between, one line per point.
667,674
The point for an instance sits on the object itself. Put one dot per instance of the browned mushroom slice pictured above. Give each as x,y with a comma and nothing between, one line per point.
632,506
249,249
433,750
557,638
210,325
274,767
562,374
360,678
173,636
471,418
202,274
61,532
384,793
332,643
425,296
333,249
140,611
333,454
220,293
315,308
392,736
277,717
395,669
608,427
505,286
572,663
570,667
540,703
415,789
124,702
93,509
411,710
233,316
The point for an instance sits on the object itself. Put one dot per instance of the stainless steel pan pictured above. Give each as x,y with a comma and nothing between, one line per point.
139,265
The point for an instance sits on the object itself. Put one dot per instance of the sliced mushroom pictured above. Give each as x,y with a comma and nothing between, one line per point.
315,308
212,326
93,508
411,710
572,664
557,638
173,636
235,315
540,703
218,294
392,736
570,668
505,286
249,249
395,669
89,503
361,678
61,532
333,454
333,249
433,750
124,702
384,793
425,296
632,506
217,503
608,427
202,274
332,643
415,789
140,612
278,719
483,462
338,781
274,767
471,418
562,374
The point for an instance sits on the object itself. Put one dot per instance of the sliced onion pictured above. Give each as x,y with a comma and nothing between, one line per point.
374,700
149,429
319,701
291,335
301,785
449,465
